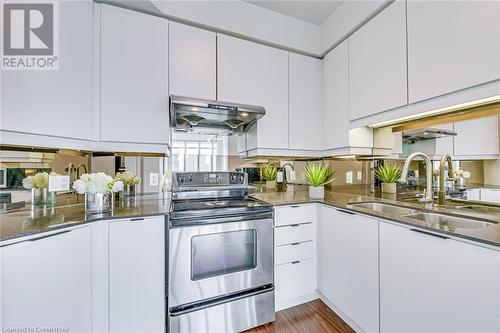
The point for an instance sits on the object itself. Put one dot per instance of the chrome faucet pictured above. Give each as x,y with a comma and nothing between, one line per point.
451,175
285,180
78,170
428,192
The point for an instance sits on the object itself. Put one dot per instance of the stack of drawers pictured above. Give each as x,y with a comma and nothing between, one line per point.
294,255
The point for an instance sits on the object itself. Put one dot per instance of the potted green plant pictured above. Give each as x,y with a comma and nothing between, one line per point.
268,173
317,175
388,175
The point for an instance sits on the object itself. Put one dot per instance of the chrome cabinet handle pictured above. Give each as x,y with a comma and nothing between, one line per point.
429,233
295,262
294,244
346,212
137,219
47,236
295,206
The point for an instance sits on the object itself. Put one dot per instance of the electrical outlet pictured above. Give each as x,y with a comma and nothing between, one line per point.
360,175
58,183
348,177
153,179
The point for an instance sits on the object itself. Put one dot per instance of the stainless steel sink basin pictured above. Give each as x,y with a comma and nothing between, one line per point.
447,222
384,208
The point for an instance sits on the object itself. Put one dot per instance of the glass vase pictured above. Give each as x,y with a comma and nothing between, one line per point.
96,203
128,190
42,196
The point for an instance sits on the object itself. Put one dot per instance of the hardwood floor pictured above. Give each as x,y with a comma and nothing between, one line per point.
312,317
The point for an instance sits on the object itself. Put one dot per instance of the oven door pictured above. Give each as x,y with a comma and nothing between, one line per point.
219,257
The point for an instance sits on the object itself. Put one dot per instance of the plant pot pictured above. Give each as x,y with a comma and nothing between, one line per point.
96,203
316,192
388,187
128,191
270,184
42,196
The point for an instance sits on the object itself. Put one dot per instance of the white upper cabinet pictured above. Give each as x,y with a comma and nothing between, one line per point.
134,77
377,63
55,102
452,45
430,284
336,97
255,74
476,137
46,281
305,97
348,265
192,61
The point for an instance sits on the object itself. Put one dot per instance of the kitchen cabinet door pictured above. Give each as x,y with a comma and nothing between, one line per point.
336,97
137,275
55,102
251,73
305,97
443,42
348,265
377,63
46,282
431,284
134,77
476,137
192,61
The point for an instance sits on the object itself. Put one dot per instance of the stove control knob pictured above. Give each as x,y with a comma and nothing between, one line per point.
182,179
190,178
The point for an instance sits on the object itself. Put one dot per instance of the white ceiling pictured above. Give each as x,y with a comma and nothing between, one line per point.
314,12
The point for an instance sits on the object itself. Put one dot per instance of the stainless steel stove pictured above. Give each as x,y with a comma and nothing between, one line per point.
220,263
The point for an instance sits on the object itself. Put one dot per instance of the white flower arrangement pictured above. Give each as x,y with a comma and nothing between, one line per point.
40,180
128,178
462,174
97,183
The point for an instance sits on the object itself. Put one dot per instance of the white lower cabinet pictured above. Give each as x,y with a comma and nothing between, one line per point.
294,255
137,275
348,265
434,284
46,282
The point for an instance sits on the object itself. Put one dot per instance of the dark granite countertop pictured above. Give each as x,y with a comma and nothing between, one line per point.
344,196
70,211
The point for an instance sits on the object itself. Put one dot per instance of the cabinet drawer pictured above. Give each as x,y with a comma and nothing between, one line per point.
294,214
294,233
294,280
293,252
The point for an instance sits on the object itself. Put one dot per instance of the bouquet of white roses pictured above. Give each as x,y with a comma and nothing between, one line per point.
128,178
40,180
97,183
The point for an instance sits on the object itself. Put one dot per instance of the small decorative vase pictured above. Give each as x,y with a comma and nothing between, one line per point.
42,196
128,190
270,184
316,192
96,203
389,188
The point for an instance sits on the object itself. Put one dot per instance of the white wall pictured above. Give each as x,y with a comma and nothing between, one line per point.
248,21
346,19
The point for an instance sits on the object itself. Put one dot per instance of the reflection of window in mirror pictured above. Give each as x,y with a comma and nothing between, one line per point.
199,152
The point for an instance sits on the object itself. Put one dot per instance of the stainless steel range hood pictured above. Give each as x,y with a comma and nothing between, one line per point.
423,134
212,117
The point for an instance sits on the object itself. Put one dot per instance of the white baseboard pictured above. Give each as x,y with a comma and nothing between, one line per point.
341,314
285,304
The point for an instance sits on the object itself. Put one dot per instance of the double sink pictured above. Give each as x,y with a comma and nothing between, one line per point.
428,218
